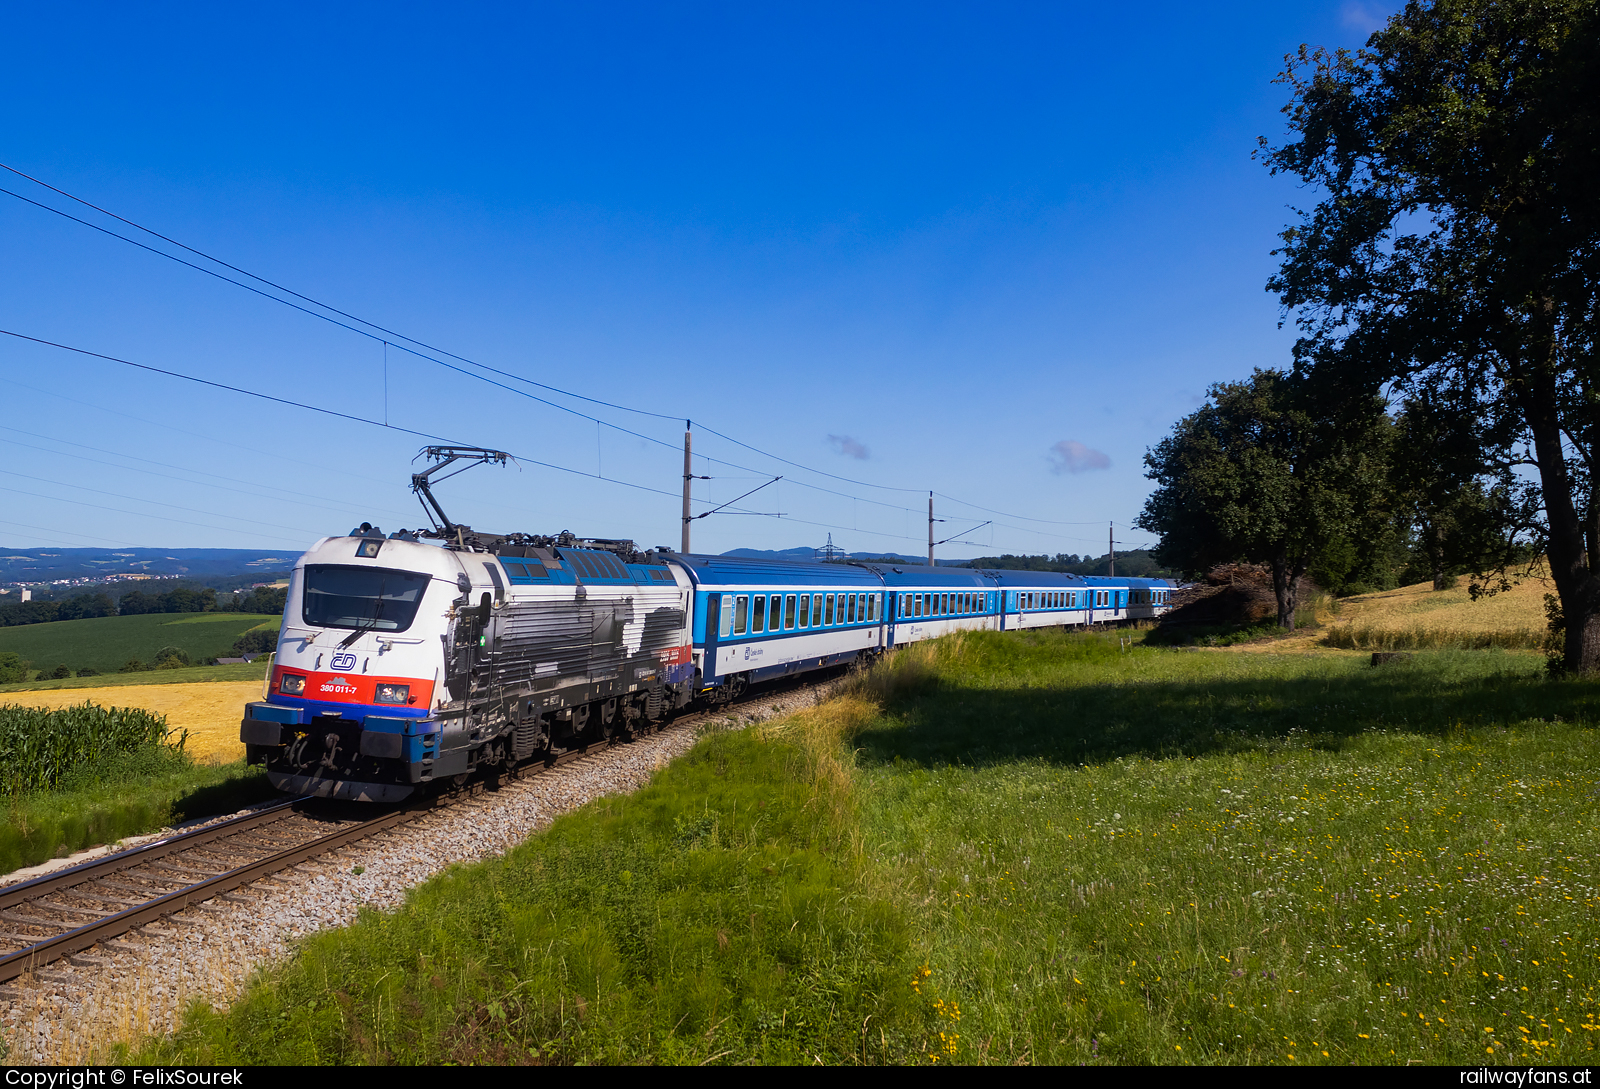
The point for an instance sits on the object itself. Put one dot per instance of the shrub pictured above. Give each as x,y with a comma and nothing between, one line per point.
256,641
170,658
13,668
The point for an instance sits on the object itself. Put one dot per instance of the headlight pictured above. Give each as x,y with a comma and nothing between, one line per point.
291,684
393,693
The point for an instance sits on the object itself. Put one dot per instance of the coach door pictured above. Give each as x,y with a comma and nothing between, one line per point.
708,663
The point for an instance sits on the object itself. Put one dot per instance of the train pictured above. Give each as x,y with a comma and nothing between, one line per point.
422,657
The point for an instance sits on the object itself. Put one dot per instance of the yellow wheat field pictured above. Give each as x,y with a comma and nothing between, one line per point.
1421,617
209,711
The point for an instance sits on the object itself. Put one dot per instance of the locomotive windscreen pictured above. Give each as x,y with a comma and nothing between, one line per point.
369,598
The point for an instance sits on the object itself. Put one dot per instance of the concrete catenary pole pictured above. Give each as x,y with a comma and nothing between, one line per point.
688,475
1111,549
930,529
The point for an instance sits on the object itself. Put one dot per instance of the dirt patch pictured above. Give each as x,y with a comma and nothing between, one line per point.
210,712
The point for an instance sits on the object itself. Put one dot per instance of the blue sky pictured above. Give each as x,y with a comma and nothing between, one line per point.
990,250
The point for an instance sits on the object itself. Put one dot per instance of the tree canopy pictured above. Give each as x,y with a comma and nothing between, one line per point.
1257,476
1454,257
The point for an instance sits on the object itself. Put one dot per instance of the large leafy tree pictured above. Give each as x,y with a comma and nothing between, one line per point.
1455,253
1260,475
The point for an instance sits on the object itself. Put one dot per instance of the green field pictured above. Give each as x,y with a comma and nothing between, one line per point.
1023,848
250,671
107,643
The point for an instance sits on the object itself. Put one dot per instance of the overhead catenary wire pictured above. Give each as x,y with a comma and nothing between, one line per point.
135,513
230,483
432,438
279,454
372,423
68,533
388,336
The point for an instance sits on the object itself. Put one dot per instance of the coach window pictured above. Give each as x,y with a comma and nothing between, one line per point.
788,612
827,610
805,610
741,614
758,614
816,610
725,617
872,607
775,617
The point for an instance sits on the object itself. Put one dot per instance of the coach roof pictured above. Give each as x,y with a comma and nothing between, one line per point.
739,571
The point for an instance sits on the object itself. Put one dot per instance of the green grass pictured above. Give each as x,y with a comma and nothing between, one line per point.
252,671
107,643
717,915
1029,847
122,796
1153,857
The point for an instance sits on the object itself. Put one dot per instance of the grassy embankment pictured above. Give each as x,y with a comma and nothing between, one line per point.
106,644
82,776
1422,618
1038,848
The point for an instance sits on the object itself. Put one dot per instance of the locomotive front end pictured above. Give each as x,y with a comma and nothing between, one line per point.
348,707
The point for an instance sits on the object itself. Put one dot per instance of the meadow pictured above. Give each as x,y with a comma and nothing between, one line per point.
1420,617
1039,847
218,674
106,644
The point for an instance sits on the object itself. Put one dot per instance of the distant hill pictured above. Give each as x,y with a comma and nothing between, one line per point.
49,564
1139,564
106,643
815,555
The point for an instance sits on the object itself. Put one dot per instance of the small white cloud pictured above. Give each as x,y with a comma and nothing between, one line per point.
1071,456
850,448
1364,16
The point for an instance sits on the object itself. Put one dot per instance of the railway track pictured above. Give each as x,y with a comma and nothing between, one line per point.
69,913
